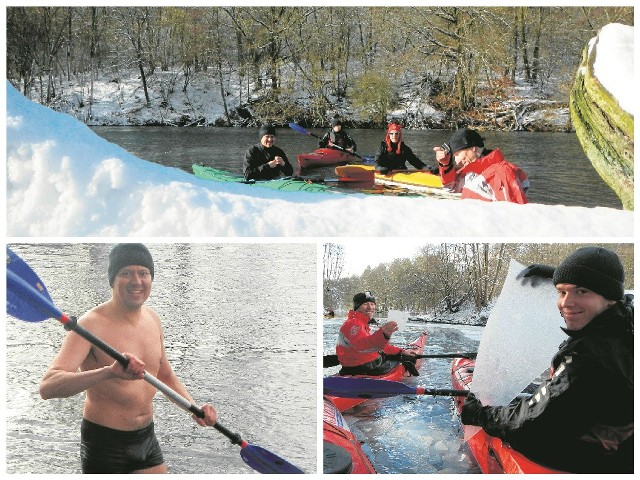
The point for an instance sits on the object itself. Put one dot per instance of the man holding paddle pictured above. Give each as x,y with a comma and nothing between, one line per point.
359,350
338,138
117,433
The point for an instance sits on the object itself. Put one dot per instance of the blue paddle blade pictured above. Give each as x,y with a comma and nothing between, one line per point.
299,129
27,297
355,387
263,461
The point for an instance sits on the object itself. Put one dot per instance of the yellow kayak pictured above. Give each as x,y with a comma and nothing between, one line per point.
418,180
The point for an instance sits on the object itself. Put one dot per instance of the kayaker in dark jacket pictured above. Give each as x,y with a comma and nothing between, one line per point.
581,419
361,352
265,161
393,153
337,138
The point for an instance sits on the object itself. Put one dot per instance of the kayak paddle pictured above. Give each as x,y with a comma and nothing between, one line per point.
332,360
304,131
29,300
360,387
444,355
364,176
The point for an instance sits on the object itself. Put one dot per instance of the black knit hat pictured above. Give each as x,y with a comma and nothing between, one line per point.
595,268
335,122
360,298
267,130
125,254
465,138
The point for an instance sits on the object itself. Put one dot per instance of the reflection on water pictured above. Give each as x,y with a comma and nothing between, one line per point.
409,433
558,169
240,332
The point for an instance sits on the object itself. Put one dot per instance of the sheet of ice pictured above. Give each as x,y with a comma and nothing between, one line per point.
522,334
399,317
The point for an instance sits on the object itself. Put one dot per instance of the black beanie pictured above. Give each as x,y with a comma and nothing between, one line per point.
360,298
125,254
465,138
267,130
595,268
335,122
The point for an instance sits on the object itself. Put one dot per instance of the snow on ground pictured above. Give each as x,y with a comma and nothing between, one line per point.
63,180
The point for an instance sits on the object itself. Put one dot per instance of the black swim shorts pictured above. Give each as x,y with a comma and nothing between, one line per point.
106,450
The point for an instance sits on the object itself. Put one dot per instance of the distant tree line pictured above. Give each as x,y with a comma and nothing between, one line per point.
463,60
444,277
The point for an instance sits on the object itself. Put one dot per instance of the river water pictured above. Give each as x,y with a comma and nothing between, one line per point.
240,332
409,434
559,171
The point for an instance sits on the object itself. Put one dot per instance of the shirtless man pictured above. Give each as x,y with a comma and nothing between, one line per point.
117,433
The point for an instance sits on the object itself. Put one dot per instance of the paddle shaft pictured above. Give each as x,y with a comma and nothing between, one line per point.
303,130
71,324
445,355
332,360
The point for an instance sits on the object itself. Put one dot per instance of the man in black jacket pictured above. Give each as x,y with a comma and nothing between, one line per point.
265,161
581,419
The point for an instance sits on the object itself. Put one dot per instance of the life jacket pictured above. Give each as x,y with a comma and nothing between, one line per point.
357,345
490,178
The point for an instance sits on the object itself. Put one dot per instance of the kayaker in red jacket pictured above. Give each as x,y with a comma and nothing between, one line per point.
468,168
581,419
359,350
338,138
393,153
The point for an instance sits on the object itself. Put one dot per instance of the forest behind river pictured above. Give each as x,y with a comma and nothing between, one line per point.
435,67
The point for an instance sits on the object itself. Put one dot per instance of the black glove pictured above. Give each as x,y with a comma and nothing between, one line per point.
535,273
471,410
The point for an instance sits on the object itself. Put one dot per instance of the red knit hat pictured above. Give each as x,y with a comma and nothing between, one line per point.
394,127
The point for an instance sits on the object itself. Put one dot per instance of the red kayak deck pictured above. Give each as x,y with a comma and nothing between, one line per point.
342,452
322,157
491,454
398,373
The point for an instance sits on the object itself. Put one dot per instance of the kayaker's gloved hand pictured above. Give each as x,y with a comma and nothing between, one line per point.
471,413
534,274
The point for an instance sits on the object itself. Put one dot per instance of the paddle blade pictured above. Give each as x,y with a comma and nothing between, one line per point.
330,361
299,129
355,387
264,461
27,297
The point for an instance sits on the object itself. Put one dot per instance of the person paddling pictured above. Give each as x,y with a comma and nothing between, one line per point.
117,430
581,419
265,161
338,138
393,153
467,167
361,352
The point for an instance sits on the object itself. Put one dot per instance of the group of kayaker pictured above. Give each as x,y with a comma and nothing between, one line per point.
464,164
580,419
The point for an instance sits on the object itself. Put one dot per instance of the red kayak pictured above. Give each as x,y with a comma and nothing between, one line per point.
342,452
491,454
398,373
324,156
